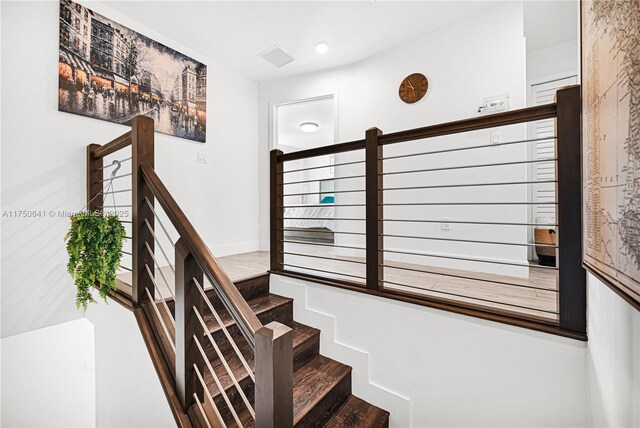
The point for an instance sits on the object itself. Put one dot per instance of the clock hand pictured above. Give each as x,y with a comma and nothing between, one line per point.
410,85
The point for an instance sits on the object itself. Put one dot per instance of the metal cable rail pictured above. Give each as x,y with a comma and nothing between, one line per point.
324,271
223,392
322,257
225,330
318,193
112,192
159,269
433,238
157,217
162,299
155,238
331,178
323,244
324,205
322,231
450,168
401,204
449,186
467,222
162,323
224,363
469,259
208,397
205,418
459,149
315,218
113,178
324,166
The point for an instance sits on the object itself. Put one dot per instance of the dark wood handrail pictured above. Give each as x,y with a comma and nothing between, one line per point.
321,151
571,308
113,146
247,321
513,117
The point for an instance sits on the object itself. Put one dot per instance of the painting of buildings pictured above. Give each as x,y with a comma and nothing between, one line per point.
110,72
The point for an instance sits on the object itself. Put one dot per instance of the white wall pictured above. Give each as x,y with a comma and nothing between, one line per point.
431,368
94,371
48,377
614,358
127,389
561,58
43,165
478,57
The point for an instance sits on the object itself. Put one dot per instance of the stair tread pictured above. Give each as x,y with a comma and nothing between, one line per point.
301,334
311,383
259,305
357,413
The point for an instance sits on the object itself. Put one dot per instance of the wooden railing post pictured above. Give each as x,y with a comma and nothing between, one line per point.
142,153
274,376
276,212
94,177
187,325
374,226
571,275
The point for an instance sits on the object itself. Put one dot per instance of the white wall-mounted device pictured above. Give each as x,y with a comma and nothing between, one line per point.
494,104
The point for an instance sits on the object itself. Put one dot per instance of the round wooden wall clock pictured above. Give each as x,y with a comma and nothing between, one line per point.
413,88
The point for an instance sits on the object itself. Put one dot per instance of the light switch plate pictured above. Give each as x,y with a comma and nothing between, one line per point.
496,137
203,157
445,225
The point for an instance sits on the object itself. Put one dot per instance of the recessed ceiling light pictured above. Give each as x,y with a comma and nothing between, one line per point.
322,47
308,127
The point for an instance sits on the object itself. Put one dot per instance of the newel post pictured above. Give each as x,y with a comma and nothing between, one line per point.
142,149
94,180
187,325
571,275
274,376
373,200
276,211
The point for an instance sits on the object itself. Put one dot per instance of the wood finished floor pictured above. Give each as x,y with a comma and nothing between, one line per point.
534,295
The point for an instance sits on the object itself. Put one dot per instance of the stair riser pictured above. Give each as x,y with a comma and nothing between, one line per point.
301,355
306,351
326,407
282,314
249,289
248,387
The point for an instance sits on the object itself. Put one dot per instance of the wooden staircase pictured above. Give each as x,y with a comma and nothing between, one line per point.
227,354
321,386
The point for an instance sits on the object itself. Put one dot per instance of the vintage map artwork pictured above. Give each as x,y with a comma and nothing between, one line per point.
611,141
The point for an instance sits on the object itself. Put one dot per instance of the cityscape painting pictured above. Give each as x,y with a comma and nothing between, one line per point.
110,72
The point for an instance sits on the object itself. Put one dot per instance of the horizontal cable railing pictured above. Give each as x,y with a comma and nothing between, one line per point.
436,215
108,190
208,335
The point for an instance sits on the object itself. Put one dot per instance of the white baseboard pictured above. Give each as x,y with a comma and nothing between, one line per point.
234,248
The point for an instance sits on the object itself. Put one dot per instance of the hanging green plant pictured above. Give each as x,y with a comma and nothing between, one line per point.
94,245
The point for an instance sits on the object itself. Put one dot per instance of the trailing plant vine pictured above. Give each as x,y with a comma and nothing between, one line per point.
94,245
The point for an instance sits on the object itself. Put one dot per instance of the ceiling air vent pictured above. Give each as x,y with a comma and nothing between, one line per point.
276,56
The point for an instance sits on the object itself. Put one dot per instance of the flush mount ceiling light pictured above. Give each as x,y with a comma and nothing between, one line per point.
308,127
322,47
